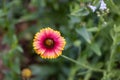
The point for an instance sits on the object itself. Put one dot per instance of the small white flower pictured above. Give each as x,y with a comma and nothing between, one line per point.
102,5
93,8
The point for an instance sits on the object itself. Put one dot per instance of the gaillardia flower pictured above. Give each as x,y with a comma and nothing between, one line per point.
48,43
26,73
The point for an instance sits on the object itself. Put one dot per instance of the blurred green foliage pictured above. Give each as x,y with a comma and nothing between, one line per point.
93,39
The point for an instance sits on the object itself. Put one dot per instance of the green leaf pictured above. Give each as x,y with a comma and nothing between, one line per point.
2,13
42,70
99,65
16,66
96,48
84,33
92,29
19,48
116,28
77,43
80,12
28,17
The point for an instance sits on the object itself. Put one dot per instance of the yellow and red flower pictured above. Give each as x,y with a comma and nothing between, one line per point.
48,43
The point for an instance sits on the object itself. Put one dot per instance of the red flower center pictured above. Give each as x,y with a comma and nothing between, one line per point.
49,43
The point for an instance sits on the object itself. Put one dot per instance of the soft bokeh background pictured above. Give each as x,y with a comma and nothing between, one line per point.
93,38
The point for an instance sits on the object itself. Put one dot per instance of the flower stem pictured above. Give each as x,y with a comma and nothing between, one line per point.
81,64
111,60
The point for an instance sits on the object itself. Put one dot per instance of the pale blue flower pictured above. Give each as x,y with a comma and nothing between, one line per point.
102,5
93,8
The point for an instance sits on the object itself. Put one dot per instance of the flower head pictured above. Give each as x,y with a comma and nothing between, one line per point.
102,5
93,8
48,43
26,73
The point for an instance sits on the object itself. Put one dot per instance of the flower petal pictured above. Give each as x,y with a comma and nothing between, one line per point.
50,54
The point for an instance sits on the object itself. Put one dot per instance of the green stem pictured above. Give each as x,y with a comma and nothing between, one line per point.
81,64
111,60
109,67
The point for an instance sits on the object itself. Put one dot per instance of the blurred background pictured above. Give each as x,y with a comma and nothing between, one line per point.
93,38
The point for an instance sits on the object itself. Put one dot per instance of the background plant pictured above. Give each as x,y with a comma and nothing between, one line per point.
93,39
